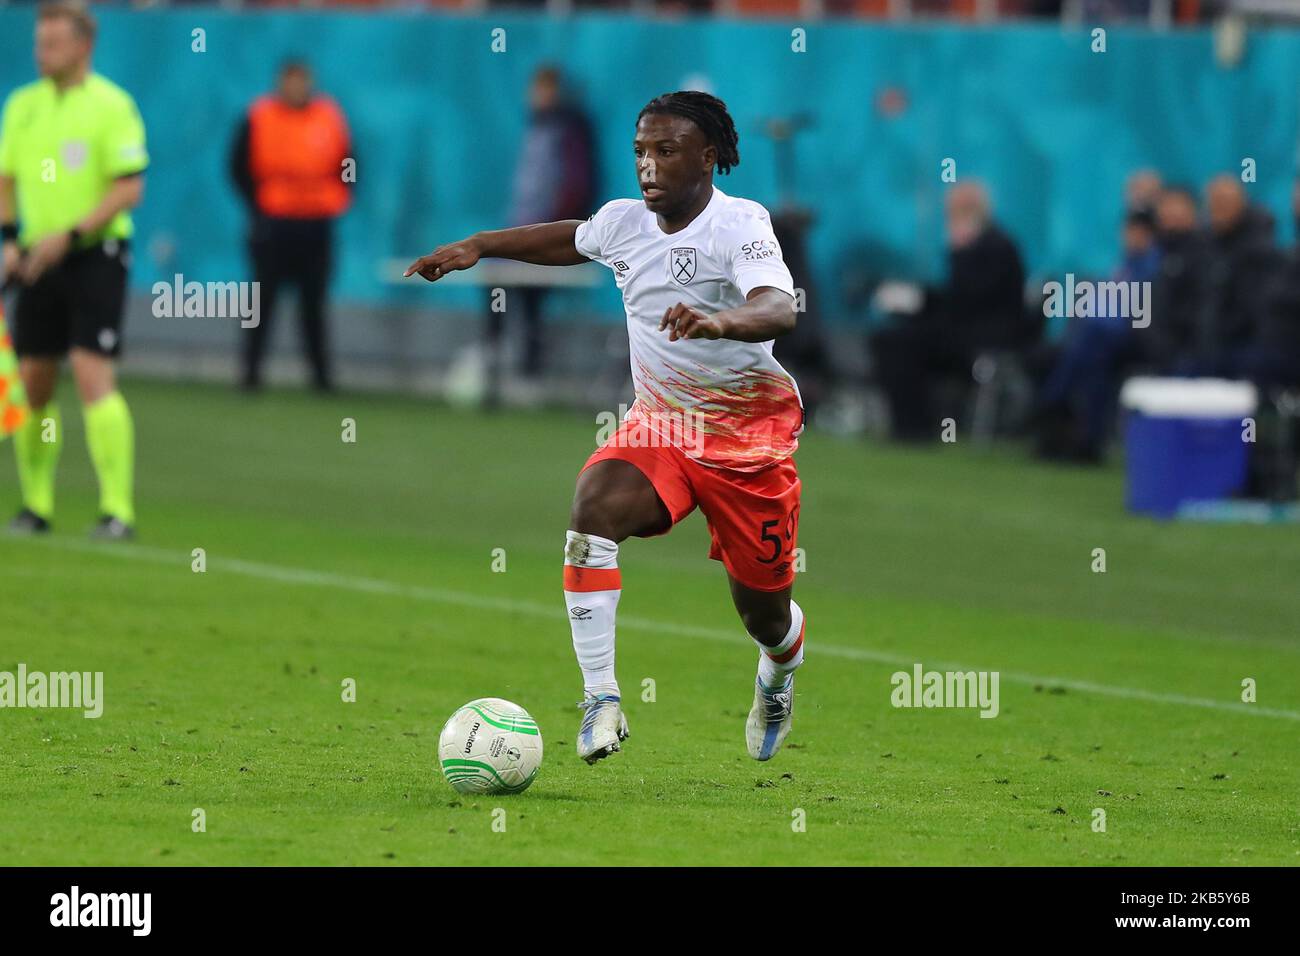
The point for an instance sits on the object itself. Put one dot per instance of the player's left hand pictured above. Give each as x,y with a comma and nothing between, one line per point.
44,255
683,322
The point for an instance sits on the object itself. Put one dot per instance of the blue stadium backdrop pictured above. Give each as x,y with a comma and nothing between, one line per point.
437,117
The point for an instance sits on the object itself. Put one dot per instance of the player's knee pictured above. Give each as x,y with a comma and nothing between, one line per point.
38,383
768,627
39,394
593,515
93,374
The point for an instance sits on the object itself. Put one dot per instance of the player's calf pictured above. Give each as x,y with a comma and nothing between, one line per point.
592,587
613,500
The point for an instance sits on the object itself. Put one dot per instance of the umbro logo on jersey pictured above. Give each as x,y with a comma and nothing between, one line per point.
580,613
620,267
683,264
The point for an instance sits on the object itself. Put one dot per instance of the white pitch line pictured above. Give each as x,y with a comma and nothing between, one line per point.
310,578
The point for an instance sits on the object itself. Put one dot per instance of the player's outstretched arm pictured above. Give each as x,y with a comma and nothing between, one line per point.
767,313
544,244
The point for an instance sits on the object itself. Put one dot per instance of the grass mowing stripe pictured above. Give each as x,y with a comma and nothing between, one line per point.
415,592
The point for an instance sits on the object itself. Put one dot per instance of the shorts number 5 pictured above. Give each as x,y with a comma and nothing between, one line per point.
767,534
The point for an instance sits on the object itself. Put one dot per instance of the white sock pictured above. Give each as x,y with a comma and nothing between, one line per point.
774,663
592,586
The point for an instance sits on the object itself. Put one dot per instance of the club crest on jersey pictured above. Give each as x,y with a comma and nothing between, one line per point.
683,264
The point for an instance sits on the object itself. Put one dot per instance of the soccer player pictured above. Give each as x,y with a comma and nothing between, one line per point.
716,418
72,157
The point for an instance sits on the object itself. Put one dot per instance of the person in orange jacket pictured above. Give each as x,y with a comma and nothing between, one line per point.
292,163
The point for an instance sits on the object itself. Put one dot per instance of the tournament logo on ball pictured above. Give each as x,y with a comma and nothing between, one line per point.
683,265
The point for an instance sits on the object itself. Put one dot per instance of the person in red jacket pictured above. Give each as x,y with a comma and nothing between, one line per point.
292,163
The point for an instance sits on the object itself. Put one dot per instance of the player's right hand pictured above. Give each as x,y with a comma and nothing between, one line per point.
444,259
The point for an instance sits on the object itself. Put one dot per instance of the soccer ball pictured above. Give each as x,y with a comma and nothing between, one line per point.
490,746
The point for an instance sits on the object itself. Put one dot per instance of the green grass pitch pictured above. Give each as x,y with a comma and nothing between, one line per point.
374,561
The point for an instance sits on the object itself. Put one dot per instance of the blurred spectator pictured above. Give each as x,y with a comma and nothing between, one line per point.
1219,306
1245,263
1271,359
1077,404
289,164
981,308
554,179
803,351
1142,191
1097,11
1178,295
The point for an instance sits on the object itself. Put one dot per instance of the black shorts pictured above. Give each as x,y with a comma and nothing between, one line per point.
77,303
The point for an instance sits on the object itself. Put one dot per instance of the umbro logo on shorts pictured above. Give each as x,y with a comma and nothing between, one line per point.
580,613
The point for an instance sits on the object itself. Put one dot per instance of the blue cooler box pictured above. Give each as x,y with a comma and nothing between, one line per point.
1184,441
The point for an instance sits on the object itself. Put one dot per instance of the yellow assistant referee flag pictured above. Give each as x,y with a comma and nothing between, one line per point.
13,400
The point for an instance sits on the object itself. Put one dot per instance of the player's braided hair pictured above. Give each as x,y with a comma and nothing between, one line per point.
708,113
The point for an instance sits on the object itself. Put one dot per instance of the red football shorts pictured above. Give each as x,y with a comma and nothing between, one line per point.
753,517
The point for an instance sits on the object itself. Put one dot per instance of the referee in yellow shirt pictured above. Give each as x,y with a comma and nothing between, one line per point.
72,159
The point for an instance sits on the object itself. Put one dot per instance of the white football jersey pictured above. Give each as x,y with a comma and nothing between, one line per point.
745,407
